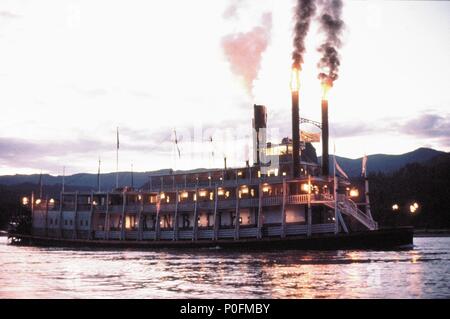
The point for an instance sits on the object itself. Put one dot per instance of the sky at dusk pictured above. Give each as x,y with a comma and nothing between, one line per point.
73,71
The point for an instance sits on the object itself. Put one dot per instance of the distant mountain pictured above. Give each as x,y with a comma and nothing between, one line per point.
86,181
376,163
385,163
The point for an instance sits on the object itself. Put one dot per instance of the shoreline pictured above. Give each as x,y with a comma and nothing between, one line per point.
432,232
417,233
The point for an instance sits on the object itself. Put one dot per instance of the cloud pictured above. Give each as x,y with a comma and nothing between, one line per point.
231,11
8,15
92,93
16,152
353,129
429,125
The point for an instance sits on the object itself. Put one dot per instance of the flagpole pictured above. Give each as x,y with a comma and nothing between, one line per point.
117,160
132,180
98,175
40,186
63,178
336,230
366,184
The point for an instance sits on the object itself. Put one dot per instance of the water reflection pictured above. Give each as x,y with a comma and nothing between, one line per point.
53,272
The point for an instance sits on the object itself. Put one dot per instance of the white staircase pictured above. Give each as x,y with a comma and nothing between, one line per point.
348,207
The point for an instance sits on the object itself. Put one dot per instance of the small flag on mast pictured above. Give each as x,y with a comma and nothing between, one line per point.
364,165
340,170
176,143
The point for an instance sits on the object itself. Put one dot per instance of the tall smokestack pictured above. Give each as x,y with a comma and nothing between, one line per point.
325,157
259,133
295,124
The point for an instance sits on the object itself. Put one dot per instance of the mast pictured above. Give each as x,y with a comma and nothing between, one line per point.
98,175
366,186
336,230
117,160
132,180
63,178
40,185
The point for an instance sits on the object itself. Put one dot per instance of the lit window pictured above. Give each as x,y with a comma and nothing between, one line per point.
202,193
220,192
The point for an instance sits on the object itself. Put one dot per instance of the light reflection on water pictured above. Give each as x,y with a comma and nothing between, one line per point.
32,272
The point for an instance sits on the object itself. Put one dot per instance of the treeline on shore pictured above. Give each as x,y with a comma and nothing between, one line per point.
426,184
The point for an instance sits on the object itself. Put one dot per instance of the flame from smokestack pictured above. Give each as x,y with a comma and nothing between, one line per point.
332,24
295,80
304,11
325,89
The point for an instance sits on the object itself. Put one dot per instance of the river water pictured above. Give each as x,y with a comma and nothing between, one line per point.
33,272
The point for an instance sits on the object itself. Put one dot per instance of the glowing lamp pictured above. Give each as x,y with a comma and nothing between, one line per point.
244,189
354,192
395,207
202,193
220,192
25,201
38,201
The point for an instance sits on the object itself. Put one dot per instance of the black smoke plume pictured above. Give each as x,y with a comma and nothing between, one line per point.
332,25
304,11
